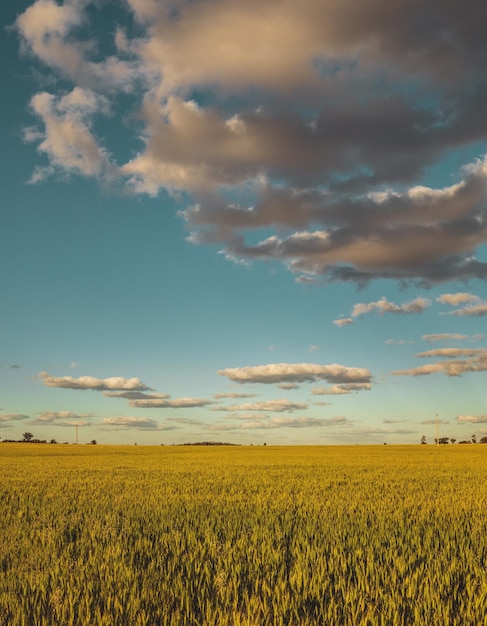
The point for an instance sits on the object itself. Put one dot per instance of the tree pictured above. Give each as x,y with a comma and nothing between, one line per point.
423,440
474,439
452,439
483,440
27,436
93,442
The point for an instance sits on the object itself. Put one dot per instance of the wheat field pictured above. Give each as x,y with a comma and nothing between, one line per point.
229,536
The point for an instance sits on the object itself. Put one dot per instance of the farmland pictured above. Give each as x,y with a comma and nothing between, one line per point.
228,536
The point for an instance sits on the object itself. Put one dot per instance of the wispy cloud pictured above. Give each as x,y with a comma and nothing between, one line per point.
475,361
6,418
449,337
283,422
342,389
221,396
278,406
134,423
418,305
175,403
62,418
472,419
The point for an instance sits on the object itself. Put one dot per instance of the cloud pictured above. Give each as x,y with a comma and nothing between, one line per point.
288,386
343,321
176,403
220,396
68,140
342,389
276,373
62,418
478,310
90,382
431,422
136,395
472,419
313,348
384,306
134,423
277,406
454,299
5,418
453,353
446,337
476,361
73,365
14,366
283,422
306,147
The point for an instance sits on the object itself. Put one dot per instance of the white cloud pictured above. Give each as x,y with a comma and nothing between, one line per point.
90,382
276,373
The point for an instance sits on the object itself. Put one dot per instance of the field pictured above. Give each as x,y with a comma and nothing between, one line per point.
229,536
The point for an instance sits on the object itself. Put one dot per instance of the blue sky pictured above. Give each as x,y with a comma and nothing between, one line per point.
248,222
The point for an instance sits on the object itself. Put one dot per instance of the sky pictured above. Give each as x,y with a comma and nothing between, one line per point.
249,222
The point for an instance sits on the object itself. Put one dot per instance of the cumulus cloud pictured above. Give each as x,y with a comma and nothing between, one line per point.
176,403
288,386
308,146
277,406
276,373
134,423
116,383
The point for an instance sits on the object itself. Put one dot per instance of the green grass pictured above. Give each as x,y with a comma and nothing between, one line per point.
136,536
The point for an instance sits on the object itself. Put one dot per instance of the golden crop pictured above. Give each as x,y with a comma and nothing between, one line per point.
234,536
